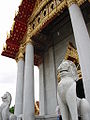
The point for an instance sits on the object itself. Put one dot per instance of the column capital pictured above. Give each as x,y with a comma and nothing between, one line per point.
70,2
20,54
28,40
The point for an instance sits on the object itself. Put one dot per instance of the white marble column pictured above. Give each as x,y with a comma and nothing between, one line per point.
49,82
28,106
41,90
82,40
19,86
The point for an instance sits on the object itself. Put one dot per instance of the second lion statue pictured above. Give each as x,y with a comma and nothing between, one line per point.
70,105
4,108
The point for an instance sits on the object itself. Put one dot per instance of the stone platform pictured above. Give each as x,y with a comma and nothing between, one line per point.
46,117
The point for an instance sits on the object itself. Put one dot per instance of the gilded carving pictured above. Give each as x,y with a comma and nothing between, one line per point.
58,1
71,53
49,11
70,2
38,9
28,40
45,11
80,2
52,6
61,5
20,54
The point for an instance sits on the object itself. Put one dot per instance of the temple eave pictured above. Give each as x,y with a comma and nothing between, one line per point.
22,23
18,29
8,54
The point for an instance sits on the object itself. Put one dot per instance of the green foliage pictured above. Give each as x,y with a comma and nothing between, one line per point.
11,110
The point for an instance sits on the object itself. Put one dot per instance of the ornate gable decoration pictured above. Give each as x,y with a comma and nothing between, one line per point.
71,54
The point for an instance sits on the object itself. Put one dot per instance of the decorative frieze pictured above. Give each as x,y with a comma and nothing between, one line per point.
45,12
38,9
48,12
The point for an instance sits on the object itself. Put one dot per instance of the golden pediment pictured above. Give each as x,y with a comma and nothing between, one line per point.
71,54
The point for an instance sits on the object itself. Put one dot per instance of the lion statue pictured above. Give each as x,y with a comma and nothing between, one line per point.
71,107
4,108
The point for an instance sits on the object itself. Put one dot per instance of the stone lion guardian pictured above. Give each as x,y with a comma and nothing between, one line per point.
70,105
4,108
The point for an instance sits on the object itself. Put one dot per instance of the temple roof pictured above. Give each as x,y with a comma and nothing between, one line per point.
41,18
19,28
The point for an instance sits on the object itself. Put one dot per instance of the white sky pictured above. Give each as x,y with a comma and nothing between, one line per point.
8,66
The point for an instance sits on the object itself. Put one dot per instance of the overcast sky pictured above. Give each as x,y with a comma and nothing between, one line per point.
8,66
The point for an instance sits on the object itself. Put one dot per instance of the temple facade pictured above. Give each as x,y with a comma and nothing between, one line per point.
44,33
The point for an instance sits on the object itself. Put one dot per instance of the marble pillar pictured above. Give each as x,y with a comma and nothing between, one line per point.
41,90
50,82
19,86
82,40
28,106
